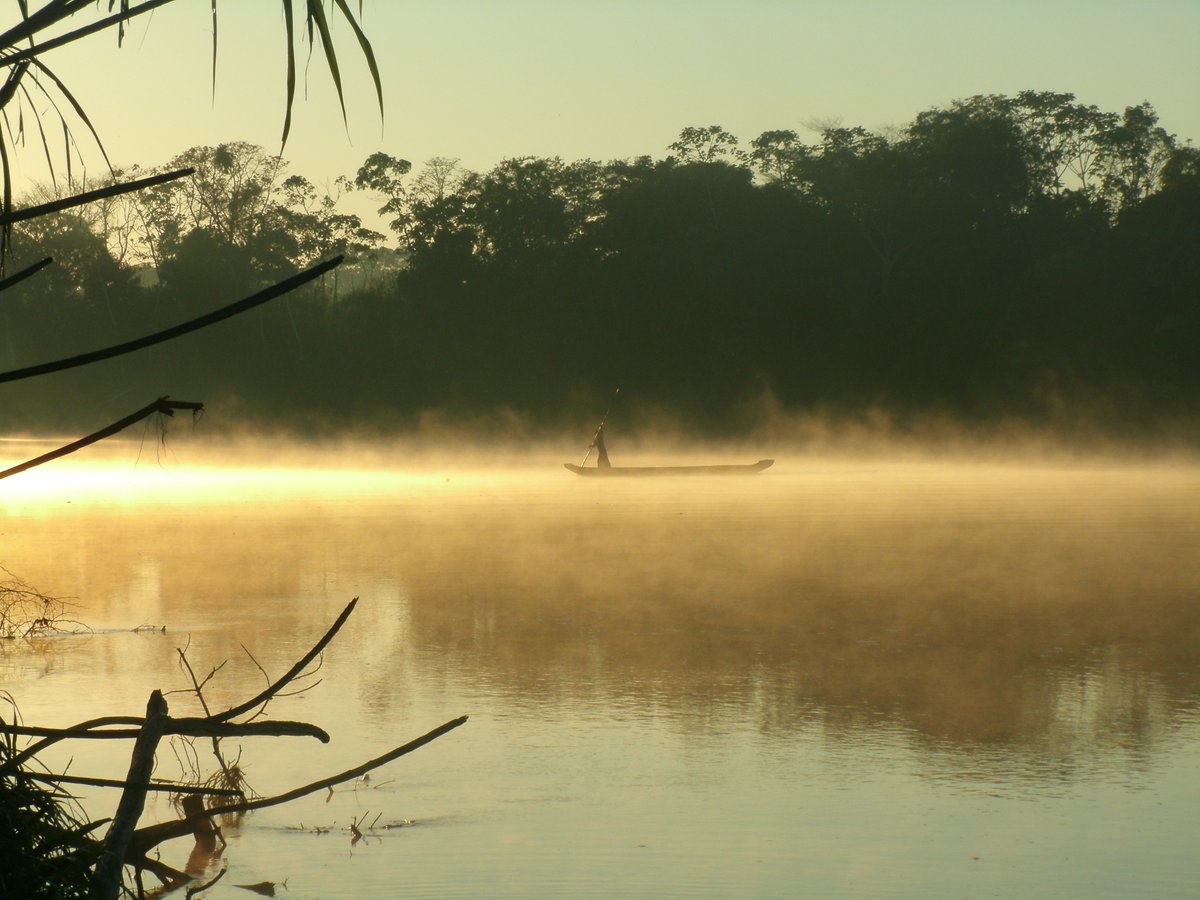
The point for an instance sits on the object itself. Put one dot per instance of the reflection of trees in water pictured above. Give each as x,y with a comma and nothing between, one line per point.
983,629
980,682
1054,641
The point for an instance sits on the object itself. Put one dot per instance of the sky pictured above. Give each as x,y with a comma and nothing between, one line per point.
484,80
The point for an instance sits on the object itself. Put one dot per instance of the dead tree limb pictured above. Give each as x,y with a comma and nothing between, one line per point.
162,405
225,312
90,728
147,838
106,880
190,726
193,891
168,875
125,843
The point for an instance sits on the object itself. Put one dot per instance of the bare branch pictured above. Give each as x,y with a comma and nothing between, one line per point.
150,836
190,726
293,671
225,312
18,277
106,882
113,190
162,405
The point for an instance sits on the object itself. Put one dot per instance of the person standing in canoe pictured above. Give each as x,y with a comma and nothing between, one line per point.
601,453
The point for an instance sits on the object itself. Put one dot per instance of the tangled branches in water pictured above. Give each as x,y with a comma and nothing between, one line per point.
26,612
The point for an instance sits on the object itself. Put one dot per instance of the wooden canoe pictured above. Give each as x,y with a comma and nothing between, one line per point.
616,471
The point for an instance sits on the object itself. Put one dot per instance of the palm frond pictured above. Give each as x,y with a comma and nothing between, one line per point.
75,105
365,45
41,133
51,14
316,16
289,27
9,89
18,277
5,203
214,54
117,19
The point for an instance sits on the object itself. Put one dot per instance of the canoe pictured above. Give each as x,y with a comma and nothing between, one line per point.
614,471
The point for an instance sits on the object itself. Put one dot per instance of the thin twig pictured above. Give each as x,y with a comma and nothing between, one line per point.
295,670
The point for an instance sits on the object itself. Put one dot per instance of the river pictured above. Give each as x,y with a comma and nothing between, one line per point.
838,678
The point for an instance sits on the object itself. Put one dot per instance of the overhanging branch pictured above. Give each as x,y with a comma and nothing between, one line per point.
225,312
161,405
112,190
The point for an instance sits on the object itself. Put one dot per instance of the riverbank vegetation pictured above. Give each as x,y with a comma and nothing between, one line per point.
1002,258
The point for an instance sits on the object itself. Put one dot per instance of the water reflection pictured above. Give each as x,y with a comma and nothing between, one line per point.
1047,613
869,680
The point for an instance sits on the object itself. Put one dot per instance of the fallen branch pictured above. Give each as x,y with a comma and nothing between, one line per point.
193,891
190,726
125,844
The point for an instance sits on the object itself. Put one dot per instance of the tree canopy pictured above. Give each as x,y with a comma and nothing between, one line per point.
998,257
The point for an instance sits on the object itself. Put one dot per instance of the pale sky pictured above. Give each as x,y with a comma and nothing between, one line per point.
482,80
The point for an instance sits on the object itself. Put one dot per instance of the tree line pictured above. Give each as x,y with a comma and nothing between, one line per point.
1002,257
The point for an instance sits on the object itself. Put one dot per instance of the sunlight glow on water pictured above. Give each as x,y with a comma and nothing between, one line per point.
109,484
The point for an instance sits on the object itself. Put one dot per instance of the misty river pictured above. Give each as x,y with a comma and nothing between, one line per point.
838,678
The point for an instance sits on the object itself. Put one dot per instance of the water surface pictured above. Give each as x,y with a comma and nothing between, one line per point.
833,679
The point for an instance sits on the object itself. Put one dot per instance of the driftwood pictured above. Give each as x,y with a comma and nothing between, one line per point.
127,845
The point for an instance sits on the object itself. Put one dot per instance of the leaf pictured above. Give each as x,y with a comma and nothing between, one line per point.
316,16
42,134
289,26
214,65
12,82
365,45
78,109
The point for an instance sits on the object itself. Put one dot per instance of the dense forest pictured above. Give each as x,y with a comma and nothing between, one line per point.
1021,258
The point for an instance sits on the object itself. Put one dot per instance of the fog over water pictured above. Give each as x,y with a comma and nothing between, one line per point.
878,675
